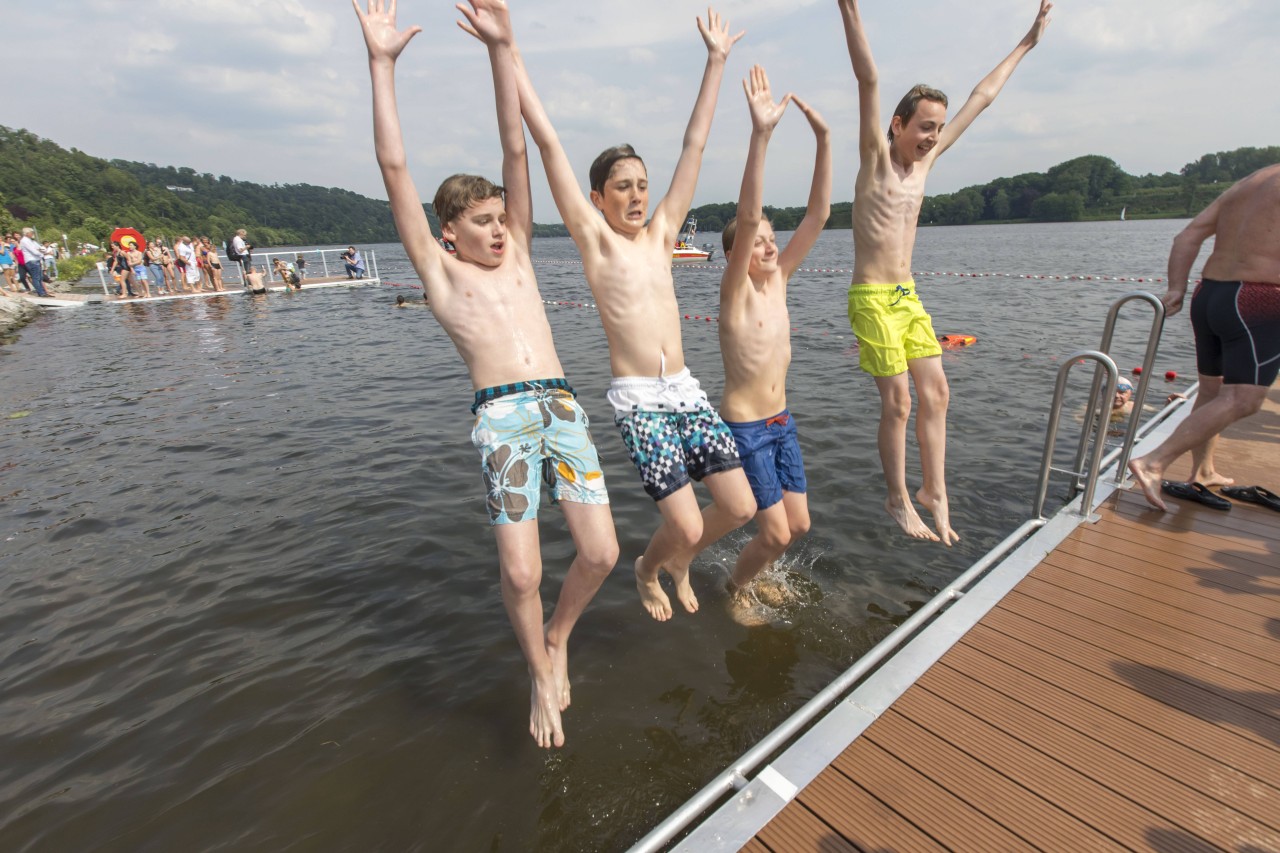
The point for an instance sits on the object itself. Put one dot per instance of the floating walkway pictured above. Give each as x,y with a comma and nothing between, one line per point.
1113,684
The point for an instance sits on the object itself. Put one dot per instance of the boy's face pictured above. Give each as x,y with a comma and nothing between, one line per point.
764,251
916,137
479,233
625,198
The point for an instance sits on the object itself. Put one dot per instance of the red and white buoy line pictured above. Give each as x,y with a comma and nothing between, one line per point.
945,274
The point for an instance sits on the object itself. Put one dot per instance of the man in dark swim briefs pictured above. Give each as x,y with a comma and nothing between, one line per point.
1235,315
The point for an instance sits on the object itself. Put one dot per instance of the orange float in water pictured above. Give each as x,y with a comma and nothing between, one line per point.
956,341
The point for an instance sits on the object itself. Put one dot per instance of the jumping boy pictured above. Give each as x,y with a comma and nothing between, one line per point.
755,341
895,335
488,302
671,431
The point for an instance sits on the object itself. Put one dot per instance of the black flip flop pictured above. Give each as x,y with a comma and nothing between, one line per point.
1194,492
1252,495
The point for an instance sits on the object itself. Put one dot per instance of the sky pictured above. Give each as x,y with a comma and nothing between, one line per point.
277,91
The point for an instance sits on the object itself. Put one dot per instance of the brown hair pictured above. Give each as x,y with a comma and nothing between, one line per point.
907,106
458,192
603,165
730,232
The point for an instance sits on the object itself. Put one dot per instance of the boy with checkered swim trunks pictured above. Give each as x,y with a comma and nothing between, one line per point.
755,342
528,426
670,429
895,335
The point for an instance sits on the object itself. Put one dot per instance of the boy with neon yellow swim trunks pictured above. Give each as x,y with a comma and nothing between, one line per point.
528,426
895,336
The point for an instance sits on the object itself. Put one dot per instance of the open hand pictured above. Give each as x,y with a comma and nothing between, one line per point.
765,114
715,32
816,121
487,20
1041,23
381,37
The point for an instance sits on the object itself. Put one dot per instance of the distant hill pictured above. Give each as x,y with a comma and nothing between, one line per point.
60,191
1089,187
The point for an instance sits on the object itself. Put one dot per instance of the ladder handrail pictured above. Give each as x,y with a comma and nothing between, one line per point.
1094,423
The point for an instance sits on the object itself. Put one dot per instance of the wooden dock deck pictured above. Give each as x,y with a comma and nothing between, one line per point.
1123,695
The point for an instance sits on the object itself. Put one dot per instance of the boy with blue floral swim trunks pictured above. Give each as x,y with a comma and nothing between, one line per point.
528,428
895,335
755,342
671,431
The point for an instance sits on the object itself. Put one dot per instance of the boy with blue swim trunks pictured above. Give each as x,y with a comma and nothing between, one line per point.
755,341
528,427
896,340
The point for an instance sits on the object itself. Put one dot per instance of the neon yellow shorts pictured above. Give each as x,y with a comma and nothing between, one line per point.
892,327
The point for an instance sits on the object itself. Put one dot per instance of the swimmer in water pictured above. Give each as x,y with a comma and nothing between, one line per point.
896,341
487,300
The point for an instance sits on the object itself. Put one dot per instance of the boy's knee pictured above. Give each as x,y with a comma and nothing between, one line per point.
896,408
600,558
775,539
799,527
741,508
686,531
522,577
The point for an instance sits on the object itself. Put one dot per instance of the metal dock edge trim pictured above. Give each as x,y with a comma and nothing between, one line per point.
758,800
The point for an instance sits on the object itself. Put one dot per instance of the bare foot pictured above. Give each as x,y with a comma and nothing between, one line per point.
560,671
745,610
651,594
941,512
684,592
1211,478
909,520
544,716
1149,482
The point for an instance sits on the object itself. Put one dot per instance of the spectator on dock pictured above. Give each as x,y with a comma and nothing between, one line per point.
212,265
300,264
187,266
155,270
7,264
355,263
33,258
242,251
137,265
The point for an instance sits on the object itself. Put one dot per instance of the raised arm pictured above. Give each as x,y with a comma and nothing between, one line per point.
765,115
819,208
490,21
384,43
670,212
985,92
870,135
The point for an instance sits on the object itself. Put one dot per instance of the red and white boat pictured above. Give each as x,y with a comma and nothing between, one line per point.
686,249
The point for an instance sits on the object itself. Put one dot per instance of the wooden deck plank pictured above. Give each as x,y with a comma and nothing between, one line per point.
1207,773
1118,775
861,818
1151,633
1023,811
929,806
1124,695
805,831
1100,690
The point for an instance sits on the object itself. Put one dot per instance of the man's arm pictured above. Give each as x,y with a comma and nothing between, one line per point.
819,209
1183,254
870,138
985,92
490,21
670,212
384,43
765,115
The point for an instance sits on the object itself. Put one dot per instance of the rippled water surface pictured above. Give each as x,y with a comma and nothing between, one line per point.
249,598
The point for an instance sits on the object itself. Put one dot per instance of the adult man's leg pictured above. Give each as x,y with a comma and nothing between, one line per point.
34,273
1232,403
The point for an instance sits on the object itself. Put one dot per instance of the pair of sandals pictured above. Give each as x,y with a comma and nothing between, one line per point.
1200,494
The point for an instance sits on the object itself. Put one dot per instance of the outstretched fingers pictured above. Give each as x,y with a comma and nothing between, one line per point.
715,32
487,20
816,121
765,114
381,37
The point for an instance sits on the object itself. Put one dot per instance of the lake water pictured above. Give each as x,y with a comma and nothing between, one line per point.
249,599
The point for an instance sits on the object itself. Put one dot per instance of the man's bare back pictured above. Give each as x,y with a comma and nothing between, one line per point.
1247,242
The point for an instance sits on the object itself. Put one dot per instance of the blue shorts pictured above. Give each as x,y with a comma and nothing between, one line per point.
531,437
770,451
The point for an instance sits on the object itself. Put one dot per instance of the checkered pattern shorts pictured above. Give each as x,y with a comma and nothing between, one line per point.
669,448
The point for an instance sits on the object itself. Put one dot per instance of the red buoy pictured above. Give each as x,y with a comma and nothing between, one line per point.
1170,375
1137,371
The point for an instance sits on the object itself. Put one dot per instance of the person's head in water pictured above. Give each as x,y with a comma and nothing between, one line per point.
620,188
764,251
400,300
473,217
917,121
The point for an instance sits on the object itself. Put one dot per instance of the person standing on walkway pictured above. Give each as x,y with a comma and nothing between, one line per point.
33,257
1235,315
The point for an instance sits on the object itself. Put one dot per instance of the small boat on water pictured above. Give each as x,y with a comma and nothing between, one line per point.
686,249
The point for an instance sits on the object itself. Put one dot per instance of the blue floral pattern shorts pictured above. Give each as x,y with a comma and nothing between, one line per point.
532,437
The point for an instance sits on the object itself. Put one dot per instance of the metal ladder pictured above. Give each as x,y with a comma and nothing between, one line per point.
1097,410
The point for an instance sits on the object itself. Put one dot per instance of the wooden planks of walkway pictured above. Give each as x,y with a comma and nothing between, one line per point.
1124,695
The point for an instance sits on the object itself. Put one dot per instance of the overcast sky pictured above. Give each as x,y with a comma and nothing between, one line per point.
277,91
